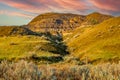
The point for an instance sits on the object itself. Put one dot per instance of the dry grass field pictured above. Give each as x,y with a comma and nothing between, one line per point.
23,70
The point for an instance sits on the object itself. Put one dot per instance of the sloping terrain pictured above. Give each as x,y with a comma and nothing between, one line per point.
55,22
35,48
100,42
14,30
21,43
18,42
64,22
96,18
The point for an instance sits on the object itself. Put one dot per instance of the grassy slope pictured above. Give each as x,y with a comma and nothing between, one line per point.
24,46
99,42
14,30
96,18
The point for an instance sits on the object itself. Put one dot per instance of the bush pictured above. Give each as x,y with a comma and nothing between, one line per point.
23,70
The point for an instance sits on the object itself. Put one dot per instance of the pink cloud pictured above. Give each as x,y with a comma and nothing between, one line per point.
67,6
111,5
72,4
15,14
19,5
40,6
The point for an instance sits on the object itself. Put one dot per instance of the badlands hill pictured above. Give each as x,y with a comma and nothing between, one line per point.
64,22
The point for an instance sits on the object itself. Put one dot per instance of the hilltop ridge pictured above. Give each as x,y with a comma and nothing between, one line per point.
64,21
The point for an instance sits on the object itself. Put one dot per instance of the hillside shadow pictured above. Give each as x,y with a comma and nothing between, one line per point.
51,59
56,41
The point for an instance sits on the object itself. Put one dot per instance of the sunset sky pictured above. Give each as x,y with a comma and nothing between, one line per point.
20,12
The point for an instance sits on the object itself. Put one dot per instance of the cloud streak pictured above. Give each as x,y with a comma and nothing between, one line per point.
41,6
71,6
112,5
4,12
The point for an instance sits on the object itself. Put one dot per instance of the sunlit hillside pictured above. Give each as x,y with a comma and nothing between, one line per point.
64,22
55,22
97,43
96,18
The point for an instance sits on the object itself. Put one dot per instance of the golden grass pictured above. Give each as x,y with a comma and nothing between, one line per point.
23,46
100,42
95,18
14,30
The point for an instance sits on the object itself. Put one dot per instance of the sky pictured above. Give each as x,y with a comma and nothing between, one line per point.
20,12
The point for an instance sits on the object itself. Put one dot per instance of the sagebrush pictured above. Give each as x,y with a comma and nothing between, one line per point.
23,70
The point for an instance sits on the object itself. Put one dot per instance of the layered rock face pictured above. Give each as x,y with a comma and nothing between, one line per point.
53,22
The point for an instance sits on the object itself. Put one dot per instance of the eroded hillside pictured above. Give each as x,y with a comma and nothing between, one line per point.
64,22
